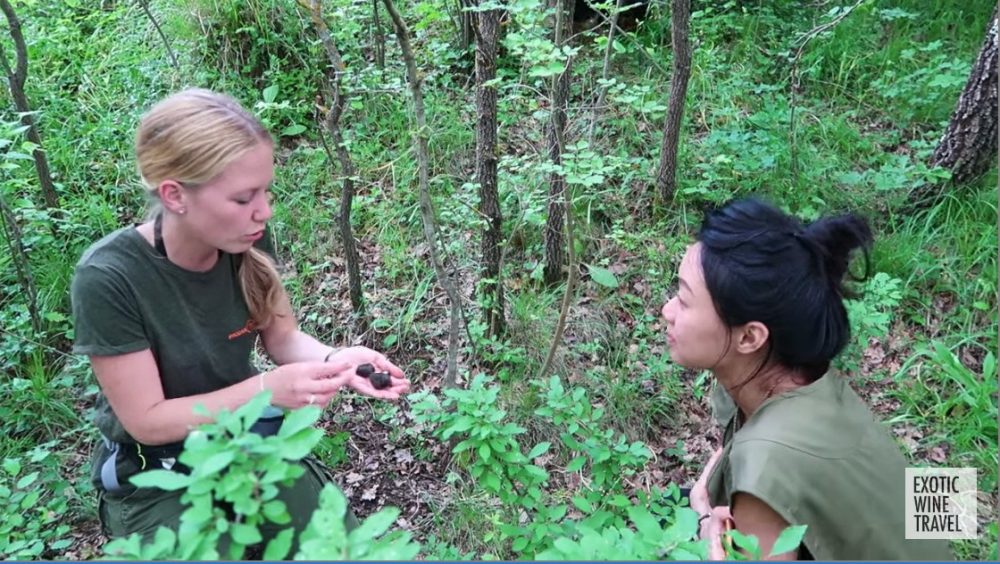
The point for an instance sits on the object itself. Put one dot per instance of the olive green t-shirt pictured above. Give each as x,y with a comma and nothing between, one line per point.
818,457
127,297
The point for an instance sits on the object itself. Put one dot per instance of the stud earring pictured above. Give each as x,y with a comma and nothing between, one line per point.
182,211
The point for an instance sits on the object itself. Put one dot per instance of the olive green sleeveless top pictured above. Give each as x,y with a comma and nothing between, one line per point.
817,456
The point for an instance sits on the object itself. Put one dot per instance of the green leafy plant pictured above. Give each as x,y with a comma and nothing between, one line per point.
936,75
612,457
491,453
234,468
870,316
950,396
34,504
649,541
749,545
493,457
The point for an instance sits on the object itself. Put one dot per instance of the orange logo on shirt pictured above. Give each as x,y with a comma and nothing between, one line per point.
245,330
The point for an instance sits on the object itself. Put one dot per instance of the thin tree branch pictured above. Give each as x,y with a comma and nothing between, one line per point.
794,82
332,124
163,36
641,49
22,267
604,71
557,127
426,204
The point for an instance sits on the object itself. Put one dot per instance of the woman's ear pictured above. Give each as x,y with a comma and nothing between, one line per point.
752,337
172,196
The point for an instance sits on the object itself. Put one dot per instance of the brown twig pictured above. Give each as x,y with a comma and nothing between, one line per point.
426,205
558,129
332,124
794,82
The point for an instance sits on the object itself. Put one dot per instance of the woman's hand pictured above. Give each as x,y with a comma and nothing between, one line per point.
356,356
713,528
698,497
306,383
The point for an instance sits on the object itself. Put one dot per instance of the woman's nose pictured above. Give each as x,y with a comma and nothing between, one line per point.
667,310
264,212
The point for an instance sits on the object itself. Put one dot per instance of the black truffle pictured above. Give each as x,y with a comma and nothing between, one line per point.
380,380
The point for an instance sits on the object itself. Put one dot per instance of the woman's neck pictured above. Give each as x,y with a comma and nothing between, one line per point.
750,385
184,250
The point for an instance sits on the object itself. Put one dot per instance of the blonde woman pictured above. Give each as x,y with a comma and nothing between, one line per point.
168,312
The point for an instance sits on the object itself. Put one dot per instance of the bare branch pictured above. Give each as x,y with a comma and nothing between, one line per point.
163,36
426,205
332,124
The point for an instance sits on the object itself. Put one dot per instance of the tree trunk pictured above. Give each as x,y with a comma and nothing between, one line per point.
969,144
426,205
15,79
554,247
666,176
332,123
490,285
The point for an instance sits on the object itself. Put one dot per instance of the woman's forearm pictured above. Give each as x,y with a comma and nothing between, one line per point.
170,420
296,346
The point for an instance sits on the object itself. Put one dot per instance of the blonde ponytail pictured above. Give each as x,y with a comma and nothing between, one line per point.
261,286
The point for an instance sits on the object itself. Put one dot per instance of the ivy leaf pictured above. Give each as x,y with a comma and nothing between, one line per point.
540,449
292,130
162,479
575,464
299,419
270,93
279,546
582,504
602,276
245,534
789,539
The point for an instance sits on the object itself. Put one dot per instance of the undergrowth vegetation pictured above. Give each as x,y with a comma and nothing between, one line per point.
583,462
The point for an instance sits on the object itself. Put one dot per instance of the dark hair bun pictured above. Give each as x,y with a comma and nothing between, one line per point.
762,264
834,239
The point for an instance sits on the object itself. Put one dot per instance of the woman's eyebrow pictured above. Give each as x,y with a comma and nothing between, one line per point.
684,285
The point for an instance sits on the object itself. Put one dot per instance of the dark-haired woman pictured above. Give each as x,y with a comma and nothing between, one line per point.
760,305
